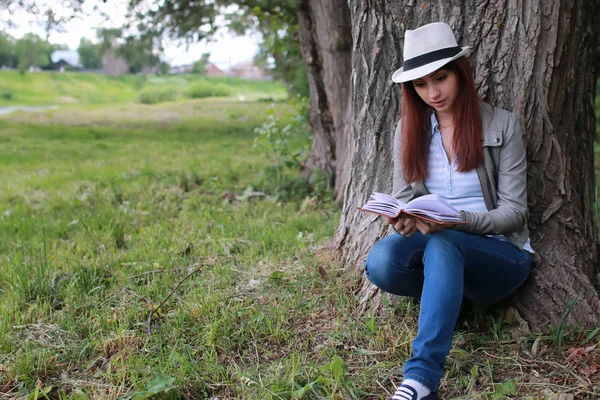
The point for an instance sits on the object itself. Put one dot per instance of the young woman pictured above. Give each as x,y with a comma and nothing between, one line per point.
451,143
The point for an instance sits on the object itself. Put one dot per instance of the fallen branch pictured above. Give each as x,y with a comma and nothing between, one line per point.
155,309
138,296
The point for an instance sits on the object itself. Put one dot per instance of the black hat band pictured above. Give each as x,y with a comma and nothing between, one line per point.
427,58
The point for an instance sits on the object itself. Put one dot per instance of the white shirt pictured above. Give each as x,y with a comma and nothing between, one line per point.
460,189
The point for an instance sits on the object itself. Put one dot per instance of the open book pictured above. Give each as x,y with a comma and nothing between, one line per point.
431,207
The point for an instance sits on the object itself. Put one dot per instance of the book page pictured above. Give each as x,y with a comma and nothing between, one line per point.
384,205
432,207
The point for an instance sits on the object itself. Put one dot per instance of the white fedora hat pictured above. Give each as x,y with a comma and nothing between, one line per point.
427,49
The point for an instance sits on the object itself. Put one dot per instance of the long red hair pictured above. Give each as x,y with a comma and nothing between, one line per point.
416,125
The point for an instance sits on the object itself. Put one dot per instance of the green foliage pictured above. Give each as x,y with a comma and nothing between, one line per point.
7,50
273,138
157,95
139,53
199,67
109,38
90,54
561,330
277,22
502,391
330,380
202,89
164,67
40,393
29,276
285,144
6,93
31,50
159,385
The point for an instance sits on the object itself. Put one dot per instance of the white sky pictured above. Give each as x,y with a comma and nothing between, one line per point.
226,49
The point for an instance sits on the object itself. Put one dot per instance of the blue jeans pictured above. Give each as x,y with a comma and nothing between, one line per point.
441,268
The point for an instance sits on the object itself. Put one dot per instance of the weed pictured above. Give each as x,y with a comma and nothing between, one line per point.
273,137
330,380
153,96
501,390
6,93
161,385
29,276
280,178
560,330
206,89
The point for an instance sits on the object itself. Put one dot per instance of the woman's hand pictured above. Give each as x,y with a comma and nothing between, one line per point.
403,225
426,227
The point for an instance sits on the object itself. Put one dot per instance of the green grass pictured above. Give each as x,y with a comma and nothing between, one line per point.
104,210
46,88
88,210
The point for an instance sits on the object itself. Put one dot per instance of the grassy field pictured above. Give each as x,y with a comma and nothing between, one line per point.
111,211
55,88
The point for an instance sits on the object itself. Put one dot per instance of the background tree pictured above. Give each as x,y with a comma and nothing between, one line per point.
90,54
326,44
199,66
277,22
7,50
140,52
32,51
109,38
538,59
164,67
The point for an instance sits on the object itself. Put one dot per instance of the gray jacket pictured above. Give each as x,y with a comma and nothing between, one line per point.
502,175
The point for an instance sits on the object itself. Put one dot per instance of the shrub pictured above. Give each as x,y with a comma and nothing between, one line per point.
6,93
153,96
207,89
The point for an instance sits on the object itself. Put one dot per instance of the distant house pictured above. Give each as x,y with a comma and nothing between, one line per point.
212,70
147,69
113,64
65,59
248,70
181,69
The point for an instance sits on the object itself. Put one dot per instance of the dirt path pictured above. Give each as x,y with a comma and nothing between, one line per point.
10,109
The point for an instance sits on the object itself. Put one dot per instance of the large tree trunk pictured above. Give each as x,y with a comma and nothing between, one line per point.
536,58
326,44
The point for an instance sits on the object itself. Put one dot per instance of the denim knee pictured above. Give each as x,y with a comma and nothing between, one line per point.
378,264
444,251
445,238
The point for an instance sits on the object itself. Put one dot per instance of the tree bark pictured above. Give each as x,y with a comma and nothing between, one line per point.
326,44
536,58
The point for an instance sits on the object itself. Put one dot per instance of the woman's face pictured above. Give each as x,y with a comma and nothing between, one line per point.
438,89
